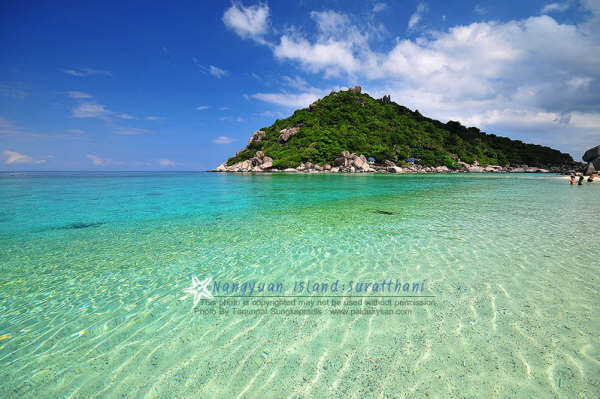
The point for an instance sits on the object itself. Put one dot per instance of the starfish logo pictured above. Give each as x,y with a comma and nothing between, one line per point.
199,289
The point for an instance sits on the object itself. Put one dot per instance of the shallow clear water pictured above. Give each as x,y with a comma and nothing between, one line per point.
93,268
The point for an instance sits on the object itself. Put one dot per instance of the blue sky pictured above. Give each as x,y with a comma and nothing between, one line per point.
137,86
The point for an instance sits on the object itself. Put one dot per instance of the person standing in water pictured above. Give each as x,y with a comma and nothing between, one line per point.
572,178
592,177
580,182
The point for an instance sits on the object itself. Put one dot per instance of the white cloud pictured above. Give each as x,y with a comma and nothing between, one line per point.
95,110
75,131
86,72
479,9
98,161
124,116
155,118
90,110
224,109
250,22
331,56
217,72
202,107
79,95
552,7
130,131
16,158
240,119
416,17
222,140
379,7
15,91
291,100
166,162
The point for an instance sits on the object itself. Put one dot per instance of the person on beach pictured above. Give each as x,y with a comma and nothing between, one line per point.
580,182
572,178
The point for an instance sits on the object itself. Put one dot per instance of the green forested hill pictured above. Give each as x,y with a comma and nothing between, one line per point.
356,122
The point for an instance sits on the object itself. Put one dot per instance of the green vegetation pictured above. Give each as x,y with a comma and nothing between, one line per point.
384,130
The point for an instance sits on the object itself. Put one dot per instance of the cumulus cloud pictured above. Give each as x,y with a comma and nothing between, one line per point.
250,22
14,157
222,140
166,162
416,17
202,107
216,71
291,100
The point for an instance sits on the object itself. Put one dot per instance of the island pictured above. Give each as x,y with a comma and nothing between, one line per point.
349,131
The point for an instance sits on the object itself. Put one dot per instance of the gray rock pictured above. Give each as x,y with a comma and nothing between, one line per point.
475,169
388,163
589,169
257,136
285,134
327,167
308,165
360,162
259,154
339,161
356,89
591,154
394,169
267,162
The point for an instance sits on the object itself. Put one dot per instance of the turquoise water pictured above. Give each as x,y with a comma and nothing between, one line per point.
93,268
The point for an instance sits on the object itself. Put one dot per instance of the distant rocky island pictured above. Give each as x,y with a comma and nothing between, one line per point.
350,132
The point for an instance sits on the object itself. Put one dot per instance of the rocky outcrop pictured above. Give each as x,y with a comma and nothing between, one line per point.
258,163
356,89
257,136
357,163
592,157
285,134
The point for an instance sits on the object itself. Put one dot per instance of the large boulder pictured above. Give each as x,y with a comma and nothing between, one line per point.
589,169
267,162
285,134
394,169
475,169
339,161
257,136
591,154
356,89
360,162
